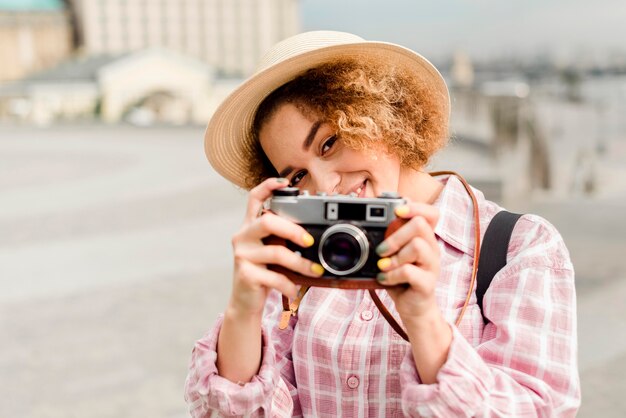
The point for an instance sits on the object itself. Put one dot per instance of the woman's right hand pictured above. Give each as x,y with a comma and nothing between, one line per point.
252,279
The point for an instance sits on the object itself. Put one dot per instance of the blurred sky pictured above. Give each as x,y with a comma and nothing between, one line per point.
483,28
30,4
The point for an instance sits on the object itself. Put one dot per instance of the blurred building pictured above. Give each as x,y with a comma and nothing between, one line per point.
462,70
142,61
142,87
230,35
34,35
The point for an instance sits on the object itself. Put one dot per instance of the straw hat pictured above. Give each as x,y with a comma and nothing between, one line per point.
228,139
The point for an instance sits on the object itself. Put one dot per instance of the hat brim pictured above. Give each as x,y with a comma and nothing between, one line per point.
228,139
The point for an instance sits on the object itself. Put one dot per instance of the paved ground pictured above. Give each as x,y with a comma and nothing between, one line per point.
114,258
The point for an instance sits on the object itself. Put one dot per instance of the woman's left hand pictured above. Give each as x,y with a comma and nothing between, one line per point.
410,256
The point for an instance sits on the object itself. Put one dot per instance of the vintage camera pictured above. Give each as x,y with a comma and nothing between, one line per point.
346,228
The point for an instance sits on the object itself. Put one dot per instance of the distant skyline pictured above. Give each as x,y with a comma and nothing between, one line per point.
485,29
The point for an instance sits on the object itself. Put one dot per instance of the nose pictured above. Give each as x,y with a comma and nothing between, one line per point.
324,180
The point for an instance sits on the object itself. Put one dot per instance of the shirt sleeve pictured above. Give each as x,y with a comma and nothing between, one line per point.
272,392
526,362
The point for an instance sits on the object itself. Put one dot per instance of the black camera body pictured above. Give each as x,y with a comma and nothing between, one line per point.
347,229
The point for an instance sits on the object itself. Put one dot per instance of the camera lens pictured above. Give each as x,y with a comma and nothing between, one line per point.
343,249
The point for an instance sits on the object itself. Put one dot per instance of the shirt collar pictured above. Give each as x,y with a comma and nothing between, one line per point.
456,215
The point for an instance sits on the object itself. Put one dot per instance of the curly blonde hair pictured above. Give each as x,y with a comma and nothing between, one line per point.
369,105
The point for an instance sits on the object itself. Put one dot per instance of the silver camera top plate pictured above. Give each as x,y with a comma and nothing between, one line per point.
327,210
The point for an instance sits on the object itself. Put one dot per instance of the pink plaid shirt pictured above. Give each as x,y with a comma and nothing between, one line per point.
339,357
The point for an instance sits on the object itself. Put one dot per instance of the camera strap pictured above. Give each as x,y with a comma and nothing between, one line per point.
495,249
291,309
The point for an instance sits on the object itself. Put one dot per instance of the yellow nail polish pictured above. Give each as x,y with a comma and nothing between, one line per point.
384,263
307,239
402,210
317,269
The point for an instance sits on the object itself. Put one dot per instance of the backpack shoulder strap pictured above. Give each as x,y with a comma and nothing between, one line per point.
493,252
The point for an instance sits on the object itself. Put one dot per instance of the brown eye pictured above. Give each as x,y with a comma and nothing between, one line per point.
297,178
328,144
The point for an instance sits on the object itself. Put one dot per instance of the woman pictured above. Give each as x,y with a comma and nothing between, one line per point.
330,112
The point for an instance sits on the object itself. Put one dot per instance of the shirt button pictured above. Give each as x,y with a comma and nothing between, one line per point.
353,382
367,315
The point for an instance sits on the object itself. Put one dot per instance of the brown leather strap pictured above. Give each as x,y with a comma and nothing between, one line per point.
331,282
291,309
469,190
388,316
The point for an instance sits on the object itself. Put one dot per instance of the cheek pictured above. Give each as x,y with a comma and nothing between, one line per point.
355,159
387,174
381,158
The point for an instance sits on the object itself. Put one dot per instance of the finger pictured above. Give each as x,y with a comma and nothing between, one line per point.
416,227
255,275
415,276
413,209
417,251
261,193
276,254
272,224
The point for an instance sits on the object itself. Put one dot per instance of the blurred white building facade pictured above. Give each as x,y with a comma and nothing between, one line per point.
33,38
229,35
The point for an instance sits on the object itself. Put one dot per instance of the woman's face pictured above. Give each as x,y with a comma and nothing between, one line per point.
306,151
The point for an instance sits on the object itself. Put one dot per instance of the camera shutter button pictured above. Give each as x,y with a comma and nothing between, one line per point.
367,315
286,191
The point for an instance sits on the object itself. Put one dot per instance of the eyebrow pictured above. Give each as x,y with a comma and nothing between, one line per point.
311,136
285,172
305,146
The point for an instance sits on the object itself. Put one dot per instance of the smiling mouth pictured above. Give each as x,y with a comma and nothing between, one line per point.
360,191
